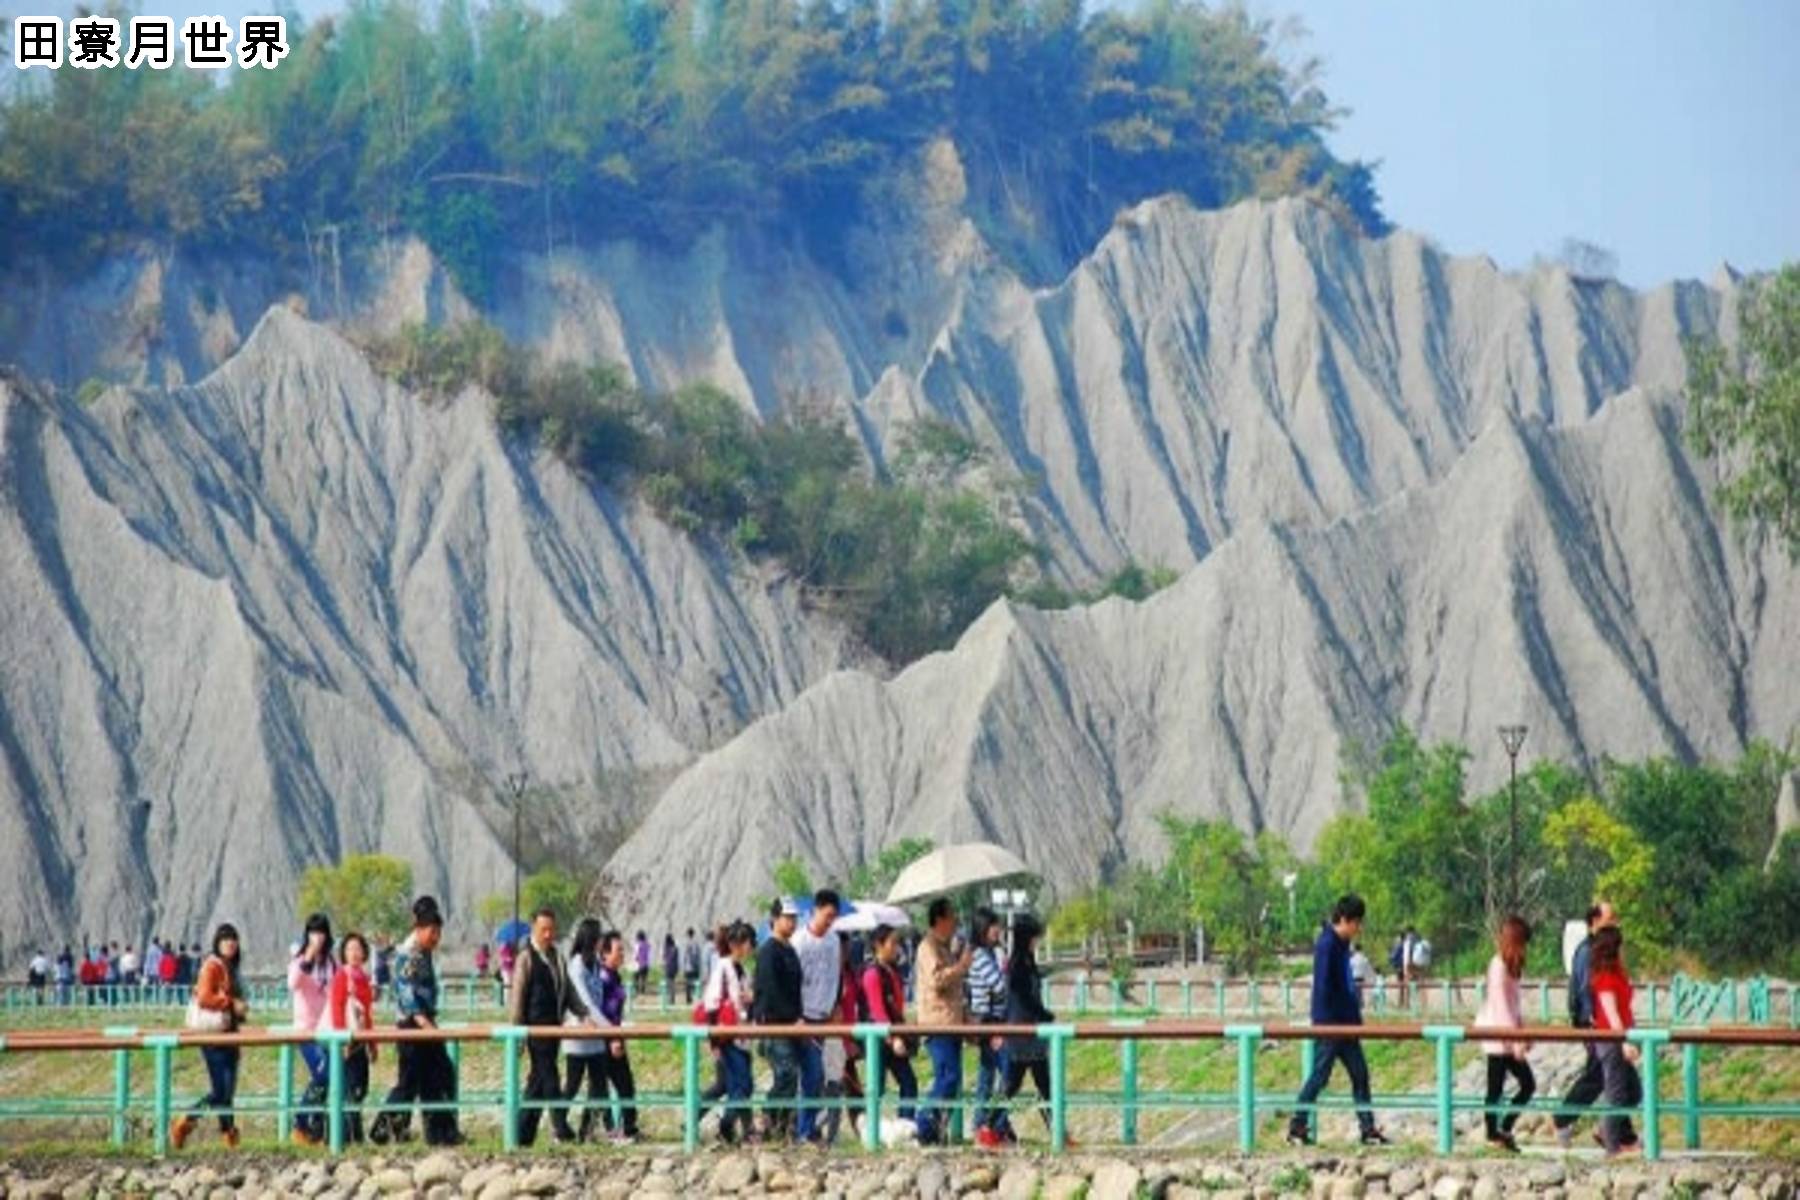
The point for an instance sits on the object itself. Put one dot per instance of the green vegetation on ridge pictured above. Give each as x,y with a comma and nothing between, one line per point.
476,125
908,557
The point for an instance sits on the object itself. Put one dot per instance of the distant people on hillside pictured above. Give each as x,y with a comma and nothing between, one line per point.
65,978
1590,1082
640,983
1503,1009
671,967
1409,958
483,962
218,1006
167,968
691,967
37,976
1335,1001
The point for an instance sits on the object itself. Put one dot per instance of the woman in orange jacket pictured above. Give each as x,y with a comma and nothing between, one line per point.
217,990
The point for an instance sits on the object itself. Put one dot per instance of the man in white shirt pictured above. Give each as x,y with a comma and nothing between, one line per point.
39,975
821,983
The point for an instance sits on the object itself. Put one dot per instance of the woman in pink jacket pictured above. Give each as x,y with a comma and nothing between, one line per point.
1502,1010
309,980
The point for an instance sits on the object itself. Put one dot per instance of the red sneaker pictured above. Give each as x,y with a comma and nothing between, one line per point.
987,1139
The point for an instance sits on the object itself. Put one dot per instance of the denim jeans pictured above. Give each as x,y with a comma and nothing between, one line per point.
1328,1051
812,1085
317,1084
990,1078
740,1082
946,1085
222,1073
784,1084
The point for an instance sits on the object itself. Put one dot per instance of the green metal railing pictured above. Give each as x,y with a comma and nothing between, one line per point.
1681,1001
692,1043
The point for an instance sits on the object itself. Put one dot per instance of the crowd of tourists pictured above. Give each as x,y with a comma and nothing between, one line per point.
801,971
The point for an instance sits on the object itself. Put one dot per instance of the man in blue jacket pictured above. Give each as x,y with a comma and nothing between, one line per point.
1335,1001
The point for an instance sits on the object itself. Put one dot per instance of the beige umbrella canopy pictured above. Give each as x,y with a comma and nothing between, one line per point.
953,868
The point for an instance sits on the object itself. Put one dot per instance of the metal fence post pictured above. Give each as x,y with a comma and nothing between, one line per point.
1652,1017
1287,999
1128,1085
1544,1001
284,1085
1648,1040
1187,998
162,1047
512,1042
121,1081
1445,1038
1248,1037
1219,995
335,1042
1690,1092
1150,996
874,1037
1058,1037
1255,996
1308,1059
690,1038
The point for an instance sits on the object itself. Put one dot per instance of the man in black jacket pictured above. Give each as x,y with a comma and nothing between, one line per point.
541,994
776,1001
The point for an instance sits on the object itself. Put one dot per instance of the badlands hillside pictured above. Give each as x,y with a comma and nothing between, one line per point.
301,612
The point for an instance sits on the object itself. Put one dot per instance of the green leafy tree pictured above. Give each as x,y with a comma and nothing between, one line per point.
792,879
1745,407
1233,886
874,879
370,893
1603,858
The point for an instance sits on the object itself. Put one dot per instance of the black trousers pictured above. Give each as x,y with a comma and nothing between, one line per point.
604,1072
425,1077
1499,1066
542,1083
1584,1091
356,1090
1327,1052
1039,1070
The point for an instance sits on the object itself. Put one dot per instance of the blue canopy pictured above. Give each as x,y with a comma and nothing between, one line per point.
512,931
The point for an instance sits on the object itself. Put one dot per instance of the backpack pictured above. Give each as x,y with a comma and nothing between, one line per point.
1421,953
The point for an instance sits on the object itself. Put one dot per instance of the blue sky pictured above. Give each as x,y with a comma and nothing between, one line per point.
1665,130
1668,132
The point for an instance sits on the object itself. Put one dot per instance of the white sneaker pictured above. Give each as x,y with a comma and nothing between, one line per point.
1565,1136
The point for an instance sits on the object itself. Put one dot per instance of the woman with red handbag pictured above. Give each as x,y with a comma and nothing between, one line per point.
727,1002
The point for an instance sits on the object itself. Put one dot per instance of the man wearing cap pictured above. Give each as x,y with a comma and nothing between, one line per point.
777,1001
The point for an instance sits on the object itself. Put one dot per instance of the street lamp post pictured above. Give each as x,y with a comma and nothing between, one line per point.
1512,737
516,782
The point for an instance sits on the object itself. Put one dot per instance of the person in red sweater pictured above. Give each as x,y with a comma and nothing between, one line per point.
1611,987
884,998
352,1007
